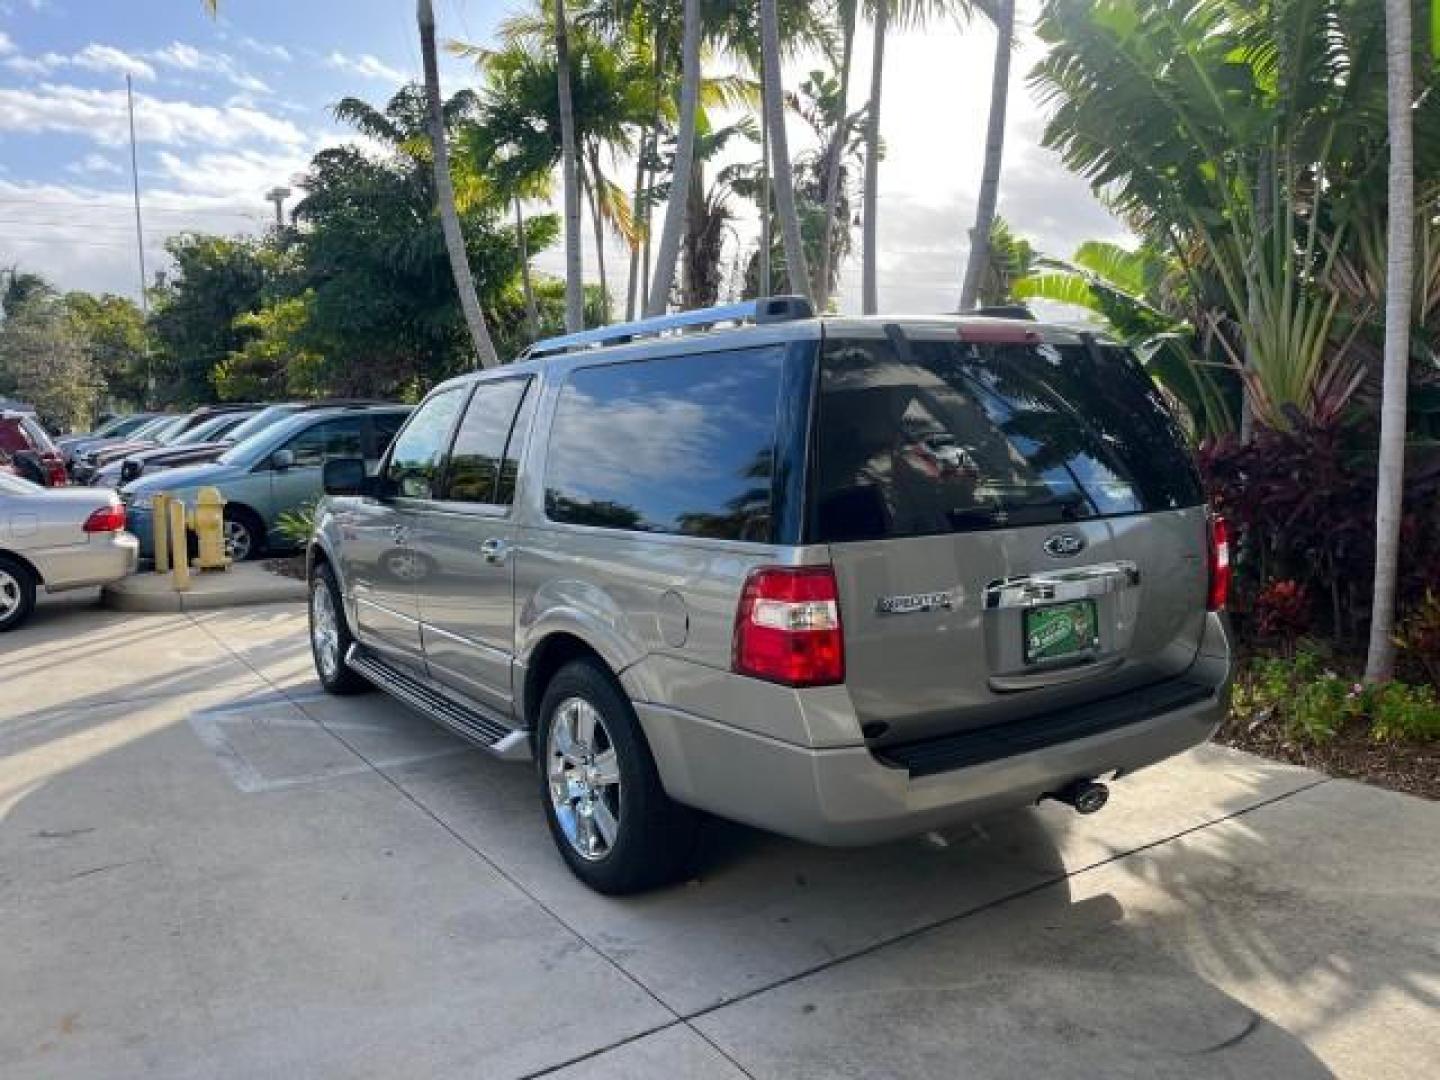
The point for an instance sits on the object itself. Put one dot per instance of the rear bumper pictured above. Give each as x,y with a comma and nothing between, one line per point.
107,557
848,796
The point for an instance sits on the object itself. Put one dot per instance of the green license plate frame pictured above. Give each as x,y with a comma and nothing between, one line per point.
1054,633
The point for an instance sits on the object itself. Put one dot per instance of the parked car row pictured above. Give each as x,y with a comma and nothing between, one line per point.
57,539
27,451
271,469
266,460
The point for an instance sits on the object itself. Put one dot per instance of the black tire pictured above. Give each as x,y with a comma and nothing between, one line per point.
17,593
655,840
239,518
336,677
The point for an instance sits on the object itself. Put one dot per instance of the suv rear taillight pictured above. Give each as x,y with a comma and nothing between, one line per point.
1219,564
107,519
787,628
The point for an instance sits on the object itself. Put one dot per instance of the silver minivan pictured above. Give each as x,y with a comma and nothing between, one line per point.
843,579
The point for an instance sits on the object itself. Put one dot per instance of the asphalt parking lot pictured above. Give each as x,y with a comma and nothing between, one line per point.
208,868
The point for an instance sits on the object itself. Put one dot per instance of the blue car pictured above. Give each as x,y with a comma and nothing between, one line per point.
275,471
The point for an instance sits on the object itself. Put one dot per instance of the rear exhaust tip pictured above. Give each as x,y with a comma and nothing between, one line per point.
1083,796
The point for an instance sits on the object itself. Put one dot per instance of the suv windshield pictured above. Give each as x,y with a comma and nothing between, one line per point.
206,431
261,420
253,450
922,437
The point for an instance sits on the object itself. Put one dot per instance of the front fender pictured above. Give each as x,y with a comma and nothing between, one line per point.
326,541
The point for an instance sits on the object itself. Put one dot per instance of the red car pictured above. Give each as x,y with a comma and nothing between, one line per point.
27,449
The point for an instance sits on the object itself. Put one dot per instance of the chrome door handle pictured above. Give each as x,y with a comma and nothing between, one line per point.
495,551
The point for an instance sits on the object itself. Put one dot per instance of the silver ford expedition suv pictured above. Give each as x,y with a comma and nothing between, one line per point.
842,579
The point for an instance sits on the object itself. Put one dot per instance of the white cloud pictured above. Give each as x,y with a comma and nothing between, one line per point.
31,65
267,49
237,175
100,58
6,45
108,58
371,67
101,116
185,57
94,163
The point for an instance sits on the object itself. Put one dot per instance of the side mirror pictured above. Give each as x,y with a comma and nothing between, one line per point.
344,476
282,460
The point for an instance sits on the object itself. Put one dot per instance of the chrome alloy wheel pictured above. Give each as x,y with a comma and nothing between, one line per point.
584,777
237,540
10,594
324,629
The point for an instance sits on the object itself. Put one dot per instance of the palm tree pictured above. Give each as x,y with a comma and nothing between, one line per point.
669,250
1399,281
847,14
1004,18
909,13
485,354
569,176
870,236
796,265
516,141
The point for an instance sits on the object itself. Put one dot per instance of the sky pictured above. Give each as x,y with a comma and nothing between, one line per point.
228,108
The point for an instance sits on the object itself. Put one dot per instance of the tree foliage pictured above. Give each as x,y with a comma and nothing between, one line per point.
44,358
216,280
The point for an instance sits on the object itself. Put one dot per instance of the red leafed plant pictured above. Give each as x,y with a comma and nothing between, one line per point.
1419,635
1282,610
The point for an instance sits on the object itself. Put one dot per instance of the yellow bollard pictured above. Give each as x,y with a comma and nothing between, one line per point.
209,516
179,545
160,524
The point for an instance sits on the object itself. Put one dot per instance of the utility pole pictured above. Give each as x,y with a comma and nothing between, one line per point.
139,236
278,195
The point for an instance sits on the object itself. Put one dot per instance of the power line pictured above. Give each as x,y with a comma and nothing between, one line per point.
92,226
123,207
50,240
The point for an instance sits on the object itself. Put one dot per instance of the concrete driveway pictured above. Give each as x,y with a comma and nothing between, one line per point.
208,868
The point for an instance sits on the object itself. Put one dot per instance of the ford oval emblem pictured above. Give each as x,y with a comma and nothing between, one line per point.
1064,544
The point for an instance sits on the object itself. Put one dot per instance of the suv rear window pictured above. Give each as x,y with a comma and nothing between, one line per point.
923,437
676,445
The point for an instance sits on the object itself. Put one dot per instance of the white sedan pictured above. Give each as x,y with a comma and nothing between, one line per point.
58,538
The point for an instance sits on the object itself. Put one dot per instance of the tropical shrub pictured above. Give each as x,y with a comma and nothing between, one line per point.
1418,635
1301,506
1310,700
1401,711
1282,610
298,525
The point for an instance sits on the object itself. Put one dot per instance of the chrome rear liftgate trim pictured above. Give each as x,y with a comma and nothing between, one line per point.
484,729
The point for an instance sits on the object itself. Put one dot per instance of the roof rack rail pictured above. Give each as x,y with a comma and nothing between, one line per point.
769,309
1003,311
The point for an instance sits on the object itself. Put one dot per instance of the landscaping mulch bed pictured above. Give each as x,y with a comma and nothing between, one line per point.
291,566
1413,768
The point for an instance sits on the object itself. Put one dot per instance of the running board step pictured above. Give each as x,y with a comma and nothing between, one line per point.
478,727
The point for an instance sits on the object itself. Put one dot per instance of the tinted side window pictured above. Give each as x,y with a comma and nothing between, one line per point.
475,460
419,450
924,437
321,442
385,427
678,445
38,435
